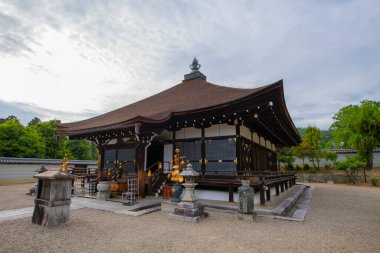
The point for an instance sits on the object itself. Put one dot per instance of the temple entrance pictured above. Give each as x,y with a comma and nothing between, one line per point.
155,153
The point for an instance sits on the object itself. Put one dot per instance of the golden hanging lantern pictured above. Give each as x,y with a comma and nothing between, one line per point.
178,165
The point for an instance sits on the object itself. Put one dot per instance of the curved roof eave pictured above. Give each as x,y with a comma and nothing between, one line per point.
67,128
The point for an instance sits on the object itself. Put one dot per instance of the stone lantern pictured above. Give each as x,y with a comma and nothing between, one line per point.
189,209
52,204
246,197
189,174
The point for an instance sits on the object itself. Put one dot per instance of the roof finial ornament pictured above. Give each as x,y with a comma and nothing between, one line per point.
195,66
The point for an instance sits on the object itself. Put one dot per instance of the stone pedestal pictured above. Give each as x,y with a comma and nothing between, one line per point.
52,204
246,197
103,190
188,211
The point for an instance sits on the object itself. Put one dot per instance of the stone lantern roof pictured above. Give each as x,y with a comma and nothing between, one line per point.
189,172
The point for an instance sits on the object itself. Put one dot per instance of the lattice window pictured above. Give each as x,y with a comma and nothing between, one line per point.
221,157
192,151
127,158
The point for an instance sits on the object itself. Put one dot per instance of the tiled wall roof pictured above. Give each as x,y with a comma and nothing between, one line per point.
14,160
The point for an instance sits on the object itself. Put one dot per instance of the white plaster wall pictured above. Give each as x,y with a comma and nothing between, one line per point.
341,157
22,171
166,135
214,195
245,132
223,195
188,133
262,142
168,155
255,138
268,144
25,171
220,130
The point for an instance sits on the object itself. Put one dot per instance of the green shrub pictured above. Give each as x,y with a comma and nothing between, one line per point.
298,167
312,171
351,166
328,166
374,181
306,166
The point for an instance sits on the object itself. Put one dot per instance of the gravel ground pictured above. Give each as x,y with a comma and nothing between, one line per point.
14,196
340,219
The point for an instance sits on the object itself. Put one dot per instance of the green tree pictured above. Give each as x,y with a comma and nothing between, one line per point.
10,132
285,156
81,150
18,141
301,151
54,145
31,144
11,117
326,136
34,121
313,140
358,126
331,156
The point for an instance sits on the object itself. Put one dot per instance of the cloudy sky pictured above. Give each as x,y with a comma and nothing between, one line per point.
76,59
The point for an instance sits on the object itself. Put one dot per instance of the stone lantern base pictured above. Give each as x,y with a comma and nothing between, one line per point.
187,211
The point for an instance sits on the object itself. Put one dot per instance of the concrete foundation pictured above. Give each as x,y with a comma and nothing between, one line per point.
103,195
192,212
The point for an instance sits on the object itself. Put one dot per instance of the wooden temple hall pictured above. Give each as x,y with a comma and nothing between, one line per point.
226,134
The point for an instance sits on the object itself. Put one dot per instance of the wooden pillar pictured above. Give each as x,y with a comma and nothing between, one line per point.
268,194
140,159
282,186
277,189
262,191
262,195
203,153
100,161
286,184
149,185
238,146
231,193
174,146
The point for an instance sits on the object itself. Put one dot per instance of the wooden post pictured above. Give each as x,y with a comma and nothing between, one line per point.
282,186
262,191
149,184
140,159
262,195
203,153
238,146
268,194
277,189
100,161
231,193
286,184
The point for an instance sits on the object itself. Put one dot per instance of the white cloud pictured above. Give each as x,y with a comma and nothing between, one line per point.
100,55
